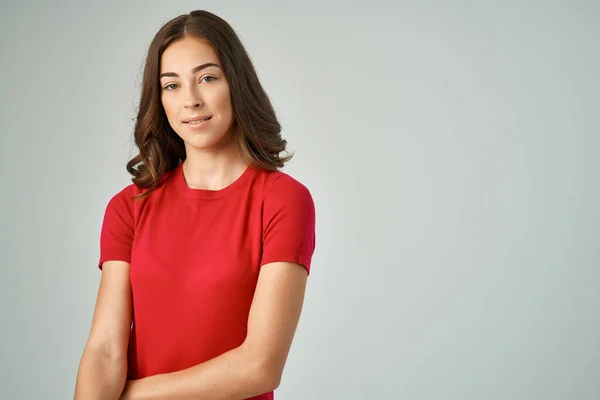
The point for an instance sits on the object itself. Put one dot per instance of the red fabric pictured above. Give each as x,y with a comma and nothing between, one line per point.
195,257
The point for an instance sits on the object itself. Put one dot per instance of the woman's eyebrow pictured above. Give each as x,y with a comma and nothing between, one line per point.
194,70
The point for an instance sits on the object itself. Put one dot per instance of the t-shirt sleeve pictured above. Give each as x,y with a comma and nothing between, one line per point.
116,237
288,223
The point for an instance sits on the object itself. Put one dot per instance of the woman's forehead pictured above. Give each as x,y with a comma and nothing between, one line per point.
184,54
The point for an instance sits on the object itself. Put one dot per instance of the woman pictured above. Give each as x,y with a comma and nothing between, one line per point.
205,256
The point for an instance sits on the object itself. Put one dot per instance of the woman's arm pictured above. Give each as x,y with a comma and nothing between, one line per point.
100,377
103,369
232,376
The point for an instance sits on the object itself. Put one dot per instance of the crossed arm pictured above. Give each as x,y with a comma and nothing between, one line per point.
257,365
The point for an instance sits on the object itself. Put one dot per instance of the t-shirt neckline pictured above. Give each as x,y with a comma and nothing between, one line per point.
192,193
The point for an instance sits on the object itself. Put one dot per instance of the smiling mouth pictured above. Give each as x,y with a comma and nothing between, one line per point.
198,121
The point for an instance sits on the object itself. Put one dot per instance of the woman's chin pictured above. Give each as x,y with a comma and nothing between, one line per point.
204,143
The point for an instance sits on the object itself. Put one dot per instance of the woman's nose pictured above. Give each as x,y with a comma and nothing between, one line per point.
192,99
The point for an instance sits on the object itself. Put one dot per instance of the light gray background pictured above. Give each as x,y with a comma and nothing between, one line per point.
451,149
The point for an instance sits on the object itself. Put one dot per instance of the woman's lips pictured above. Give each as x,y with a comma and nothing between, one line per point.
196,124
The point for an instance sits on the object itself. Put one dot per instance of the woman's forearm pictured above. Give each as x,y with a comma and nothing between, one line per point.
100,377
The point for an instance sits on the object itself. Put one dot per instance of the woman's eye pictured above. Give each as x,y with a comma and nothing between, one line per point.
174,84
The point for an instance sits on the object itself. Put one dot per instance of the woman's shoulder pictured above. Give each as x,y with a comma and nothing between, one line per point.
280,181
124,197
132,189
128,191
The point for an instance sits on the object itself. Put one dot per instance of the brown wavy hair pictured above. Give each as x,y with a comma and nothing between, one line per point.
257,129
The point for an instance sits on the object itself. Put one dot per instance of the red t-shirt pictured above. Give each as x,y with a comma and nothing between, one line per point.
195,256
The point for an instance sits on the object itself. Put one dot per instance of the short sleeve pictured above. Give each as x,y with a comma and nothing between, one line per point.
288,223
116,237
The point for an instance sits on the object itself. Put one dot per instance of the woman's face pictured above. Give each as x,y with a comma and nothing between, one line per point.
192,88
